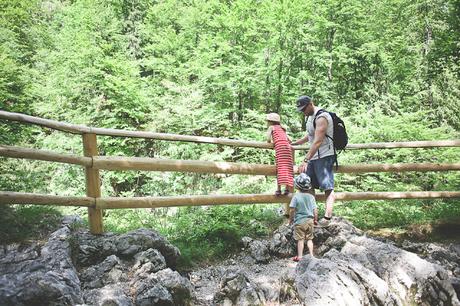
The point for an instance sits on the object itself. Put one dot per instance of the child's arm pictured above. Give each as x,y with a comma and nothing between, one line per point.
291,215
292,206
269,134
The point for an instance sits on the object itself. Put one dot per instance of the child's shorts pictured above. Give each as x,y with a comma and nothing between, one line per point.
304,231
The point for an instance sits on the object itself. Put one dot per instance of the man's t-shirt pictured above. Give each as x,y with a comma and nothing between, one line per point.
304,204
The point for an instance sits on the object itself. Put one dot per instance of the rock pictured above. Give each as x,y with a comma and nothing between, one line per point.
165,287
110,271
91,248
179,287
153,295
366,271
237,289
324,281
455,281
111,295
259,251
245,241
282,243
114,270
153,258
40,275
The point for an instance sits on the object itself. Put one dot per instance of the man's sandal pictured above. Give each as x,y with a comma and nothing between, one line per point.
296,258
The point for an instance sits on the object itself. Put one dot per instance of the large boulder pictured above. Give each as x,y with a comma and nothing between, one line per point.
358,270
165,287
123,270
113,295
40,275
236,288
93,249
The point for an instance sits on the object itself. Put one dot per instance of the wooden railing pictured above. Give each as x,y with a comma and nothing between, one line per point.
92,163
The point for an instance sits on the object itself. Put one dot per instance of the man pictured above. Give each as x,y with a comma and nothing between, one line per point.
320,158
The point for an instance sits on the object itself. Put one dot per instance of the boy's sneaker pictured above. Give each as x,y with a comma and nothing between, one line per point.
324,222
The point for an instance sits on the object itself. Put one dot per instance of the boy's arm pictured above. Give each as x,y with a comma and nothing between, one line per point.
291,215
292,206
315,216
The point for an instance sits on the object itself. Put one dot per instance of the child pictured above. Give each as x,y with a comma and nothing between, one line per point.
283,154
303,214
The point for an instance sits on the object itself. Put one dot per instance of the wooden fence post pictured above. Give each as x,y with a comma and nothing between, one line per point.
93,184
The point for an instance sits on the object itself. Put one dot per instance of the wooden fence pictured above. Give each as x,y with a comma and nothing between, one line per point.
92,163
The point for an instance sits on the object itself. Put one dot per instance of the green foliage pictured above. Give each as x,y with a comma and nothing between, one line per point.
201,233
381,214
389,68
18,223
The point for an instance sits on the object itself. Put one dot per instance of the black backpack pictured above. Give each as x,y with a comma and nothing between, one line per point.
340,137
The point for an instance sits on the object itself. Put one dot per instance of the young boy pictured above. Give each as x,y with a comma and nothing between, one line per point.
304,214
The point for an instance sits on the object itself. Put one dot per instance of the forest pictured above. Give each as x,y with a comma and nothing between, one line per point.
389,68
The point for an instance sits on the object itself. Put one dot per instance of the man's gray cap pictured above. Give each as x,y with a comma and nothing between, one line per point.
302,102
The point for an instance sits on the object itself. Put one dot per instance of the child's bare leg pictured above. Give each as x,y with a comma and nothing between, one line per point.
288,189
300,244
278,190
310,246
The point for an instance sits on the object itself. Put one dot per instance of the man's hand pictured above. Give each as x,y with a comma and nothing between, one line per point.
303,167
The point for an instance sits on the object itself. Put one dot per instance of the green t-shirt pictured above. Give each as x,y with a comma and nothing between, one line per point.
304,204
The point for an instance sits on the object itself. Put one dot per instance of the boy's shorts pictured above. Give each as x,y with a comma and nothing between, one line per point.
304,231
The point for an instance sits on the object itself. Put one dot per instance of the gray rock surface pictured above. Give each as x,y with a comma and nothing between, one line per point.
113,295
349,269
257,249
129,269
76,268
40,275
237,289
91,249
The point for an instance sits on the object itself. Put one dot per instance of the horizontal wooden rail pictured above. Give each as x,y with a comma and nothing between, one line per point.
200,200
405,144
197,166
81,129
366,168
7,197
52,124
18,152
154,202
153,164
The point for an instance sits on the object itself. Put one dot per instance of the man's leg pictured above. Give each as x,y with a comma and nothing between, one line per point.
300,244
310,246
330,199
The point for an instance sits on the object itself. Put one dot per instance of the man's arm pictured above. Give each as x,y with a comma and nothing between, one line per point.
315,216
300,141
320,133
